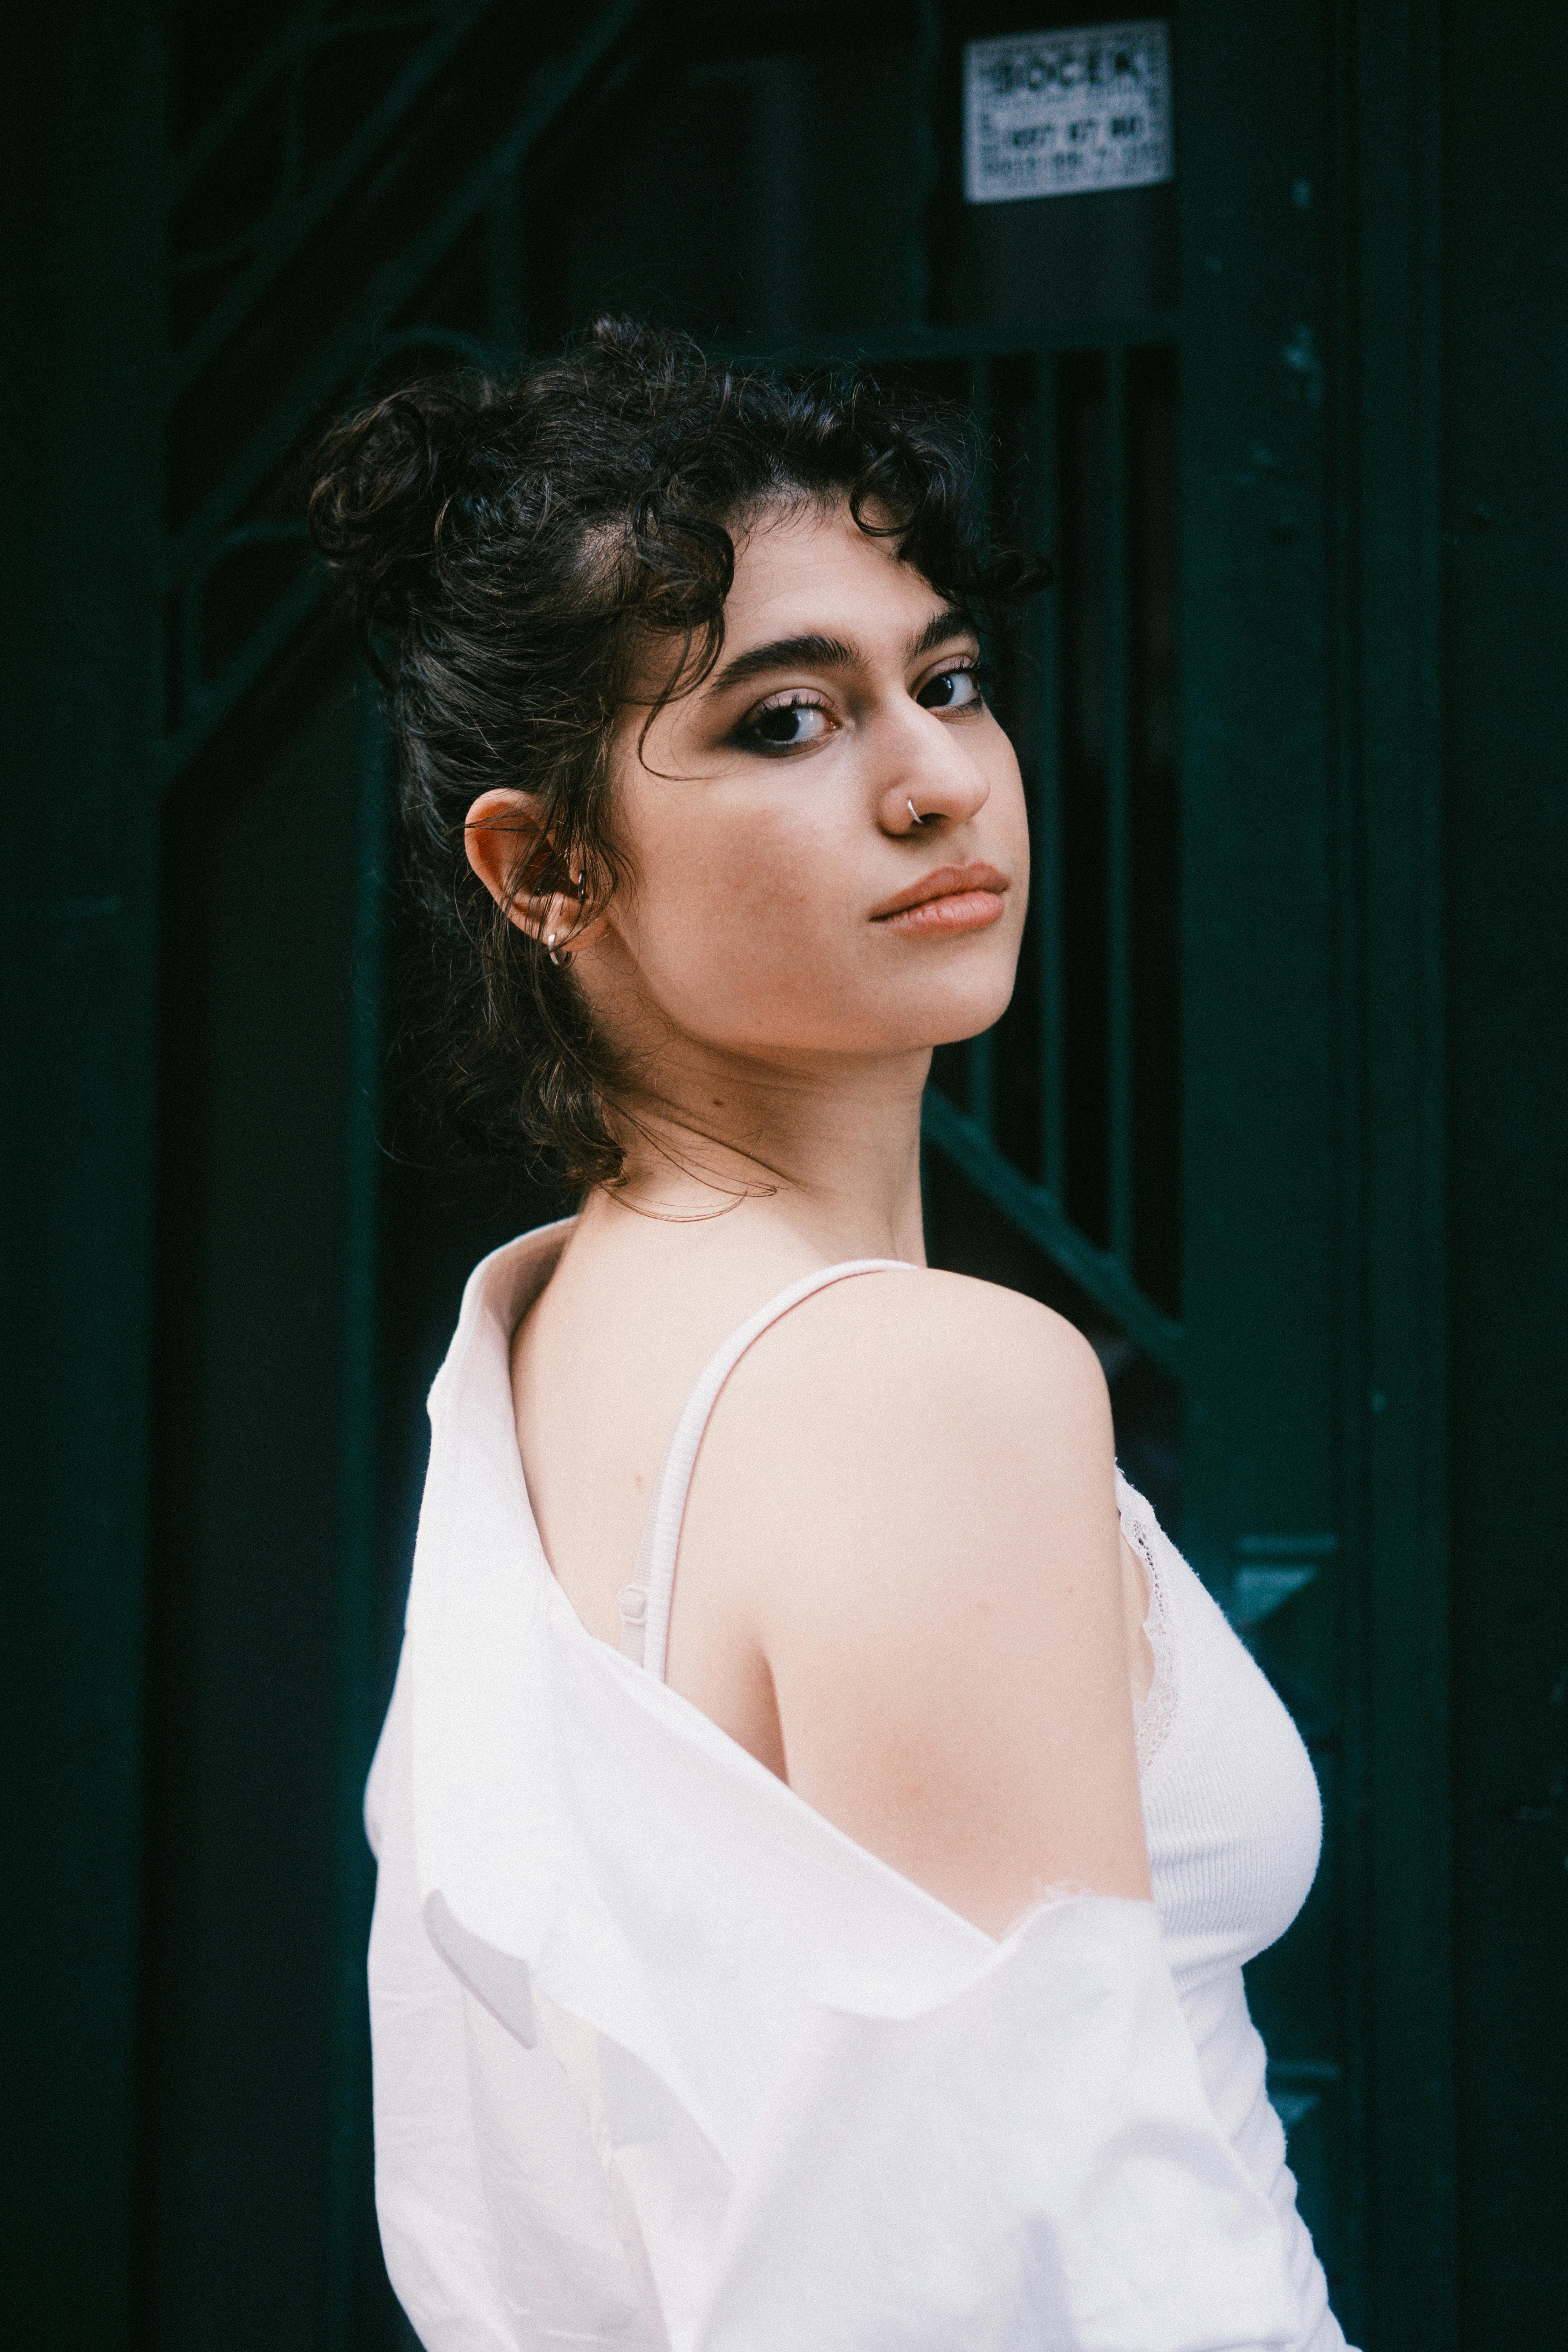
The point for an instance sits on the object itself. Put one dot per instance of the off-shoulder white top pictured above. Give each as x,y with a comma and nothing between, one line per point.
662,2059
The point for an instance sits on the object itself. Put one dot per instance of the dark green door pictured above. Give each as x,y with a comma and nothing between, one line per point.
1274,1115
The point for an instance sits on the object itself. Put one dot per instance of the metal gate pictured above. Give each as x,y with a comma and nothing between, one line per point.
1164,1136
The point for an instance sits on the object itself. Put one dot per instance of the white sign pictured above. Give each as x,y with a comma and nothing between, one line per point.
1047,114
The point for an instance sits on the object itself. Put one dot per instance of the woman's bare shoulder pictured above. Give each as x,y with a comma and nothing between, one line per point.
931,1345
931,1394
918,1480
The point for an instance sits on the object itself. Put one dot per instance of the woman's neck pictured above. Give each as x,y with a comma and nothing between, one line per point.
828,1151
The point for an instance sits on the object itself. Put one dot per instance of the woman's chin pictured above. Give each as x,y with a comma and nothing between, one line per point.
969,1014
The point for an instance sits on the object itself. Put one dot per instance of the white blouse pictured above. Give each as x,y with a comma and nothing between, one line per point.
663,2060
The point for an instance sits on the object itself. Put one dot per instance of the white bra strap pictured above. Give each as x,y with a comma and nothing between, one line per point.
645,1602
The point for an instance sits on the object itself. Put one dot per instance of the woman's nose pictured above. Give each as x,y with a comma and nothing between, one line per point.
928,775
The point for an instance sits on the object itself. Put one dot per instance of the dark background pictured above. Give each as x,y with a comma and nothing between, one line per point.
1278,1114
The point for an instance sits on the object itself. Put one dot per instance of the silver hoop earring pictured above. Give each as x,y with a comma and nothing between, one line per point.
550,949
915,815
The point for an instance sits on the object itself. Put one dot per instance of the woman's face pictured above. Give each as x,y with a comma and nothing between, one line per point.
783,905
768,819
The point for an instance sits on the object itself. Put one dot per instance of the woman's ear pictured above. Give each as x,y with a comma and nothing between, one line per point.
504,837
507,844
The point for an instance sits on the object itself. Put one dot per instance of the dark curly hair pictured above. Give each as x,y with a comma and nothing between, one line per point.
511,553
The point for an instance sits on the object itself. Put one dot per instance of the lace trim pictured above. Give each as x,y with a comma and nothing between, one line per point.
1154,1713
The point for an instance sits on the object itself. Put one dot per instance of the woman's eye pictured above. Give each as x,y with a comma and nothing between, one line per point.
786,726
950,689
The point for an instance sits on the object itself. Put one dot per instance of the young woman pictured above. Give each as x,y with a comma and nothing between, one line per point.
821,1819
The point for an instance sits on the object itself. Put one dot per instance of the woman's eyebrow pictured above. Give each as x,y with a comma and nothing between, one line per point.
808,652
940,630
814,651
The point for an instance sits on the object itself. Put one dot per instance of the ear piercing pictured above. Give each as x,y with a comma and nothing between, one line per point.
582,882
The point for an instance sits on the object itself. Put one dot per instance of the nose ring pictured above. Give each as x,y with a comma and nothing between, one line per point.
915,815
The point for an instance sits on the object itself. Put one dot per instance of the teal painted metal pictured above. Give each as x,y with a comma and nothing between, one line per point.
334,365
1044,646
331,370
980,1054
1504,512
1396,1435
1267,1179
301,203
293,47
1118,793
81,125
927,14
359,1563
1038,1214
994,339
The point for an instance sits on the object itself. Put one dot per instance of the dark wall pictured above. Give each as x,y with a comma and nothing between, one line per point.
1506,498
244,1881
79,131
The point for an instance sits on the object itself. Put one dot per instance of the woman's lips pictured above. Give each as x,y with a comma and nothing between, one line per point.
958,910
953,898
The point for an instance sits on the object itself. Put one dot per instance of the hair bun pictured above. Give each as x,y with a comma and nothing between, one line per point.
383,482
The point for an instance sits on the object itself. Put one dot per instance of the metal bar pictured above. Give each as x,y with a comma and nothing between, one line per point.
297,220
203,144
997,337
983,409
980,1081
209,706
357,1544
1050,976
291,51
553,90
503,263
928,17
1118,814
273,532
1039,1215
189,647
980,1054
206,701
1397,1410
